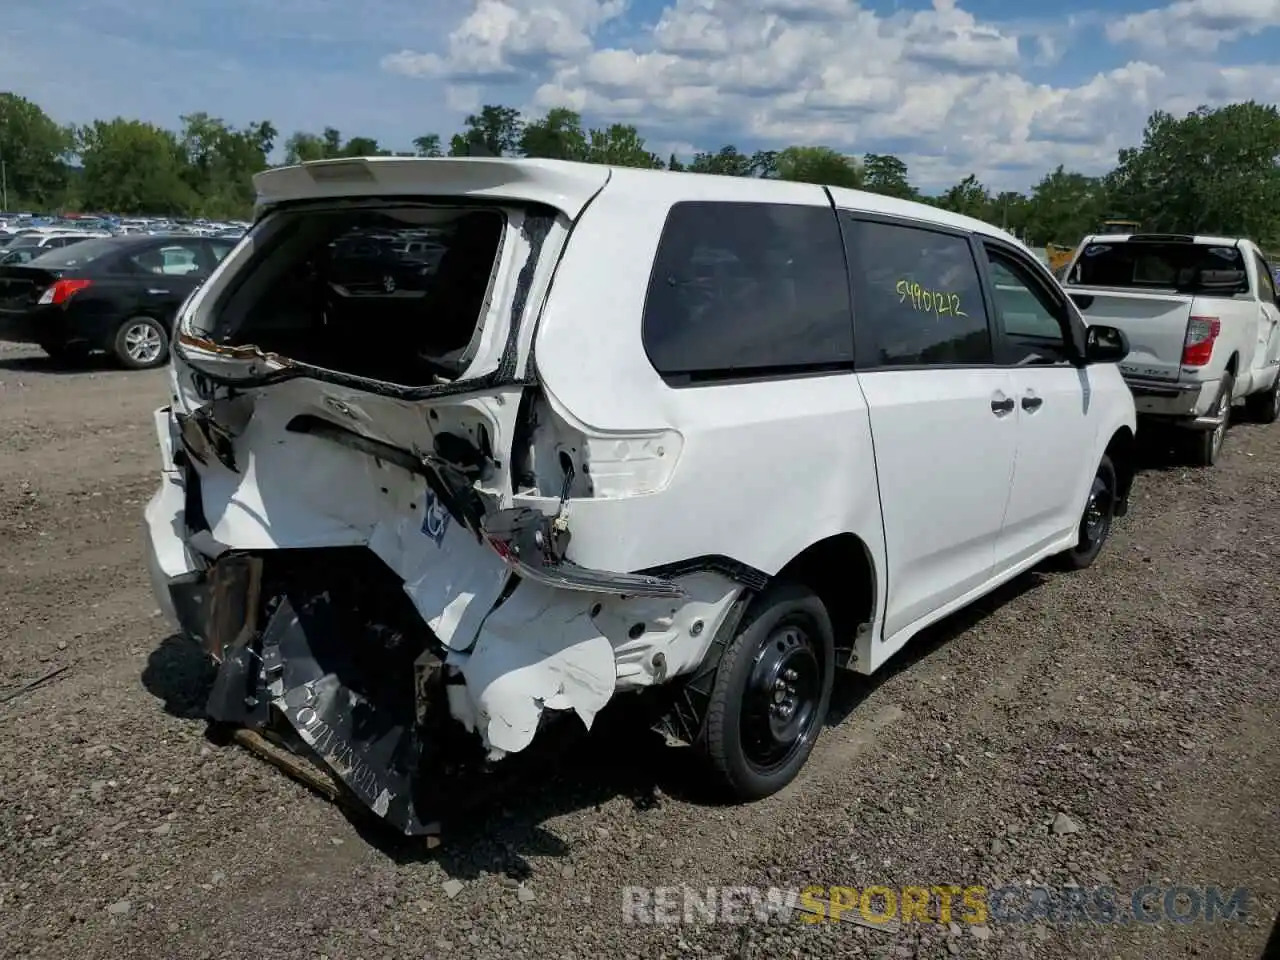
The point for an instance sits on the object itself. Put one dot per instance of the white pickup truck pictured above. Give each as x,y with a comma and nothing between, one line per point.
1202,321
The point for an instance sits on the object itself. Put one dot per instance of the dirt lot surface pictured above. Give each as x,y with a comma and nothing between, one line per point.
1139,699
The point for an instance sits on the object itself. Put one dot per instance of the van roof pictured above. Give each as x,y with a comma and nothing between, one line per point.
565,185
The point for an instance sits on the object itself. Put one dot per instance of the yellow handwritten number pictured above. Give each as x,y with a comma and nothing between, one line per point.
937,302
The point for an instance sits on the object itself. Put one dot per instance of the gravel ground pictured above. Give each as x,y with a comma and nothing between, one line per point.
1138,699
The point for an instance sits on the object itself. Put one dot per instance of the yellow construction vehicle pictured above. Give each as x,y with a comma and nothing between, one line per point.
1059,256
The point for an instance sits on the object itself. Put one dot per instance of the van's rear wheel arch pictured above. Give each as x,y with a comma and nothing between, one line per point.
1122,452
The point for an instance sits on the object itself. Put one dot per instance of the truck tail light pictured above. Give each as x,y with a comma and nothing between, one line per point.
63,290
1201,333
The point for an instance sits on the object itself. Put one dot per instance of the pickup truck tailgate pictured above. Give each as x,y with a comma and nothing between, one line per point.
1155,323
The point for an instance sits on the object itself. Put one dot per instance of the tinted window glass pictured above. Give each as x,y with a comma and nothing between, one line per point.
1168,265
172,259
220,249
743,287
1022,308
918,298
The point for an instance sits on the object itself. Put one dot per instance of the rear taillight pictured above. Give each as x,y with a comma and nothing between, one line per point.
63,290
1198,347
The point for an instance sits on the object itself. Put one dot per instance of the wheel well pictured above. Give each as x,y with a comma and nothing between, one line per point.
1123,458
839,570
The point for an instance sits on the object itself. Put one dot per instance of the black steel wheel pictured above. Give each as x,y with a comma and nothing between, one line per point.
1095,522
782,696
771,694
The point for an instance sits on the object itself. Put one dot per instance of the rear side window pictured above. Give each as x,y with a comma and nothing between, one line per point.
917,297
1162,265
747,288
170,260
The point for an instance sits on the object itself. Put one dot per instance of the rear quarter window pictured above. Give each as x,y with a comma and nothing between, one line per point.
742,289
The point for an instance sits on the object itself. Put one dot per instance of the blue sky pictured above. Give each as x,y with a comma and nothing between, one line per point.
1002,89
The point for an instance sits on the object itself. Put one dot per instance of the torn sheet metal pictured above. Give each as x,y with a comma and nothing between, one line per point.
219,606
335,662
538,650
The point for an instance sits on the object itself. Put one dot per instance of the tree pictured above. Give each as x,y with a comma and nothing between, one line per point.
495,131
1210,172
221,161
427,145
1011,211
302,147
557,136
968,197
764,163
885,174
362,147
33,149
332,141
621,146
818,165
727,161
1063,207
134,167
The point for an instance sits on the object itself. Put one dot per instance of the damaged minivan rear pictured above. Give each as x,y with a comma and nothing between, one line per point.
365,511
459,451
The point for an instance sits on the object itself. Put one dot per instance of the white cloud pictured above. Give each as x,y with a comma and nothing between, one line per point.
945,89
499,39
1201,25
935,84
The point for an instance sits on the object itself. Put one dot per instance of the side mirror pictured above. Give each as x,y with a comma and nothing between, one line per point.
1105,344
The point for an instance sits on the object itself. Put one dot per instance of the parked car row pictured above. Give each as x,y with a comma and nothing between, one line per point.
15,225
118,294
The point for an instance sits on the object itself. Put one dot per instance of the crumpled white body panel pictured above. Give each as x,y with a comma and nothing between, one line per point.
539,649
298,491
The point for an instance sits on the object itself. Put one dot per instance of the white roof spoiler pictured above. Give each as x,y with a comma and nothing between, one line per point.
561,184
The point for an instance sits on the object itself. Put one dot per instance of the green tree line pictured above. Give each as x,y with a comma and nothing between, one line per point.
1211,171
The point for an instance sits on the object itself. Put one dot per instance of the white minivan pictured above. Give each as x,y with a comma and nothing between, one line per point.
707,438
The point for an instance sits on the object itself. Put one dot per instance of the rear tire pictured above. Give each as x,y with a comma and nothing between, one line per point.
771,694
1206,445
1264,407
1095,522
141,343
